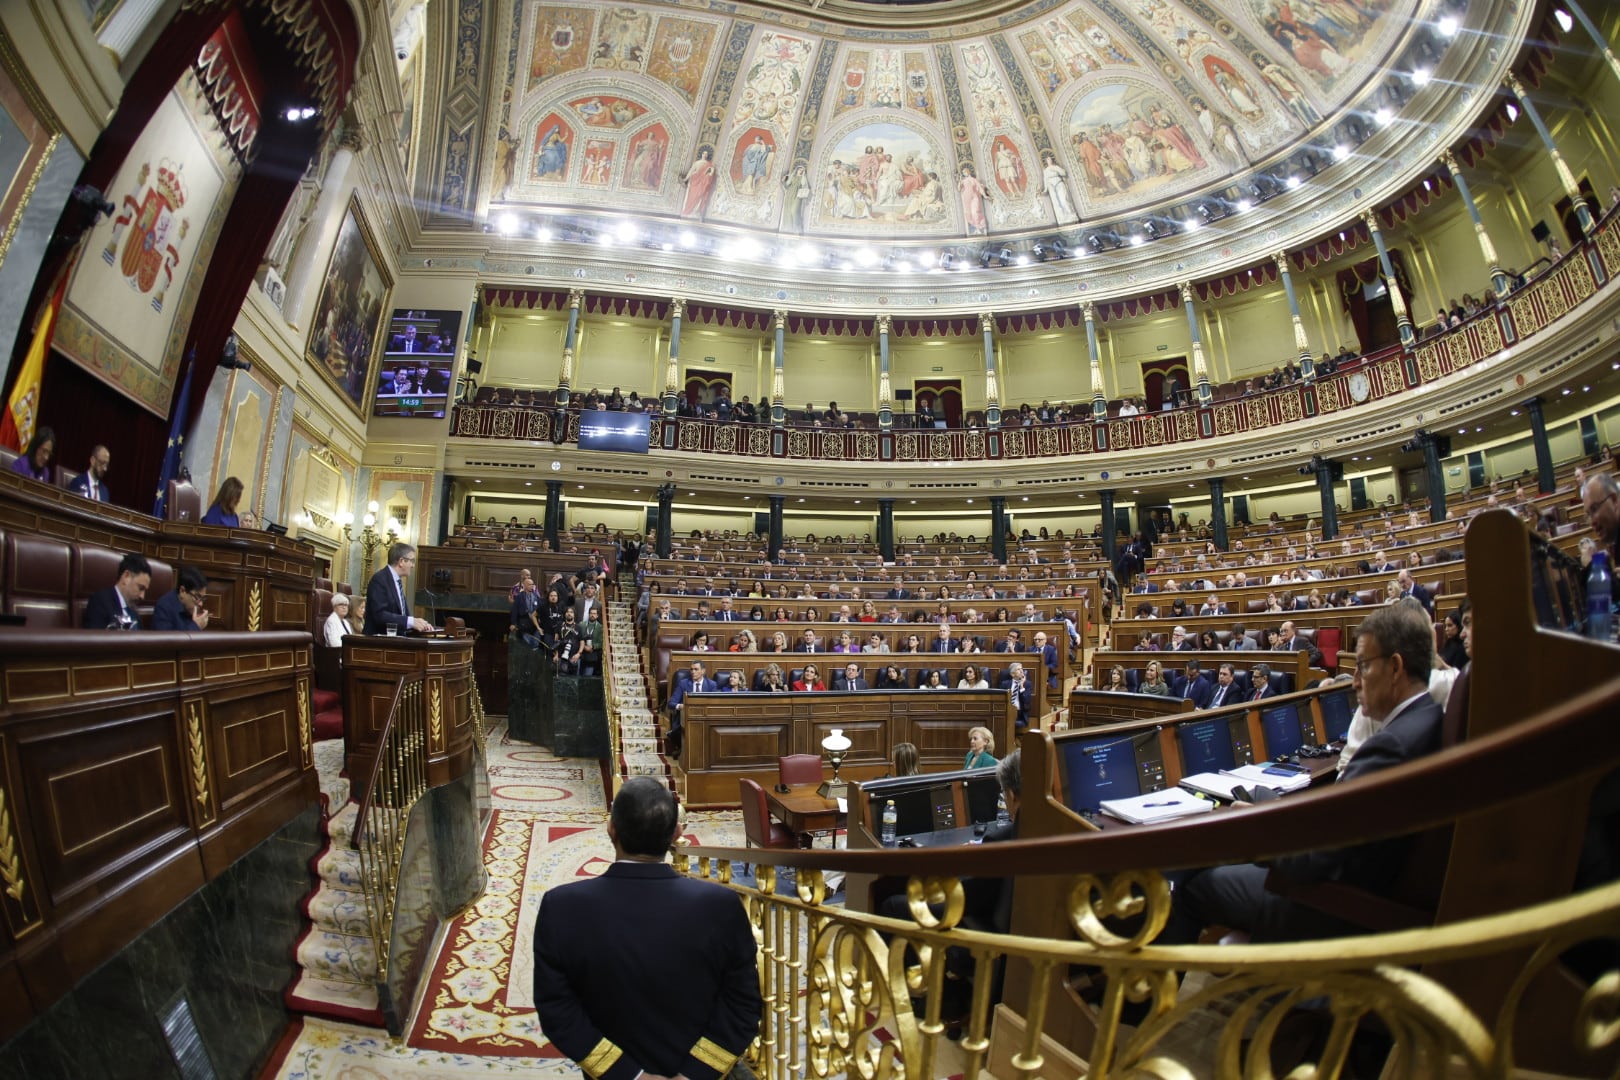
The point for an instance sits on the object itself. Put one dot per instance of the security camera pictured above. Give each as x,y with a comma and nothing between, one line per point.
401,54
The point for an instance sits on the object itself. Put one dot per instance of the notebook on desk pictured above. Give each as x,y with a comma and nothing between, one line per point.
1220,784
1157,806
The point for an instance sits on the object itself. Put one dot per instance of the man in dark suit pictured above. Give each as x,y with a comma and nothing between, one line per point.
1016,683
1415,590
1260,683
809,642
183,609
385,595
726,613
113,608
850,678
1048,658
1393,656
699,683
89,483
1225,690
899,590
1013,642
943,642
1195,687
641,970
1291,640
586,601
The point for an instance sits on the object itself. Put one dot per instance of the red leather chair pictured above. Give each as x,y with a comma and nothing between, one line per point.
794,769
758,827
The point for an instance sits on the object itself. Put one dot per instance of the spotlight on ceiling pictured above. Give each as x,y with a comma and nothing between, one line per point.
1151,229
1420,76
1512,111
1057,247
986,257
1448,23
1039,250
947,261
507,224
1094,241
1004,256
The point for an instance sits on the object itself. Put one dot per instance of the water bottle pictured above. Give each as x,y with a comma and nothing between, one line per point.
1002,817
891,820
1599,599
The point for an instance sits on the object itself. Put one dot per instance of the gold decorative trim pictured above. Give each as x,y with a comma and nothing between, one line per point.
714,1056
199,752
304,733
11,871
436,713
601,1058
27,195
255,606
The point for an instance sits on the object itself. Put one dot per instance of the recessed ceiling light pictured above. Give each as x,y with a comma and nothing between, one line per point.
1565,23
1340,152
1448,24
543,233
1420,76
478,481
1243,204
687,238
507,224
1383,115
528,483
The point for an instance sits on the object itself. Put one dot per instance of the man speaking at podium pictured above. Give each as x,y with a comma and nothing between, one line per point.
386,609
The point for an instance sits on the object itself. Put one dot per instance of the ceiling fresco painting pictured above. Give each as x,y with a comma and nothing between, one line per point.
1079,109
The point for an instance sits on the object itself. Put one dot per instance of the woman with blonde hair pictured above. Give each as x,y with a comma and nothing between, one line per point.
981,749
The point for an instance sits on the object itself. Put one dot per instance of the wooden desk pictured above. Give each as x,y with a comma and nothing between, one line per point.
804,811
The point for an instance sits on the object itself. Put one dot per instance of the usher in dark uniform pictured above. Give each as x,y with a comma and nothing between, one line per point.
642,969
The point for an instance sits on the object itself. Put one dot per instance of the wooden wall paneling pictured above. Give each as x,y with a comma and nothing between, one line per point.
16,1008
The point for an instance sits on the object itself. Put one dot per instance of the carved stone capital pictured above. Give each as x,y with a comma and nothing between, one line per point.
987,322
576,297
1449,160
779,320
883,325
677,308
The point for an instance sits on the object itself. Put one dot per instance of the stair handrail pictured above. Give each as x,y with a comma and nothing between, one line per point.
397,779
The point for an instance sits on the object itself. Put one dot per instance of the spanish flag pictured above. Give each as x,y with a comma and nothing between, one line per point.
22,411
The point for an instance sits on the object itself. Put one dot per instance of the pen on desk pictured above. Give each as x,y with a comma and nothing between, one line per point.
1167,802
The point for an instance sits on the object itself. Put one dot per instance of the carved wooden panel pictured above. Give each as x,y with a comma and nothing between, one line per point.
99,790
743,745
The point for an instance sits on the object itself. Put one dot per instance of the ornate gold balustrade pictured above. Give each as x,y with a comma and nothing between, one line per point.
1482,996
1544,303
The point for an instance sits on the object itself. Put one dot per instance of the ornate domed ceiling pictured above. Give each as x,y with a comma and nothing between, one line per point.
783,122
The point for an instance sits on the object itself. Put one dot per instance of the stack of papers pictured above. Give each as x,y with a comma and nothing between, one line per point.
1220,784
1157,806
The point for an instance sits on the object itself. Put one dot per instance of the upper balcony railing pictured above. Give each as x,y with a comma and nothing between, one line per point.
1541,303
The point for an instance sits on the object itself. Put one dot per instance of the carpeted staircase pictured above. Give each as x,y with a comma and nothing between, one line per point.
336,953
640,745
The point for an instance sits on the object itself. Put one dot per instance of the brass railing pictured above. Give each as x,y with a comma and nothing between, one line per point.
857,994
399,777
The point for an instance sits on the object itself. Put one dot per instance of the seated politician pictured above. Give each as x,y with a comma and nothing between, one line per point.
183,609
113,608
337,623
1393,654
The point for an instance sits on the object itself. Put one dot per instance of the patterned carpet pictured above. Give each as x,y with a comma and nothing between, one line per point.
477,1016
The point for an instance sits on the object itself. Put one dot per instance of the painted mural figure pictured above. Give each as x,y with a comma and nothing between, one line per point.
699,181
928,204
756,164
974,195
646,160
553,157
1009,169
795,194
1056,183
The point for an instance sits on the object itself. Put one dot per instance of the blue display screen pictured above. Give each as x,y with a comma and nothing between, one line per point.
1206,746
1280,726
625,432
1336,713
1098,769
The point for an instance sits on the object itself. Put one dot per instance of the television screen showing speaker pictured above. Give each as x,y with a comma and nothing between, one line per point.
624,432
417,372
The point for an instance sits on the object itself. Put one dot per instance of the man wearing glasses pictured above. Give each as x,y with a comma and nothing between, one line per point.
183,609
1394,651
1600,494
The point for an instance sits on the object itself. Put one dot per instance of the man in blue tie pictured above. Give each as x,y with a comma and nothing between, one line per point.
89,483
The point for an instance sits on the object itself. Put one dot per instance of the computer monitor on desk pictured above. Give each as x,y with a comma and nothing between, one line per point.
1337,708
1285,729
931,803
1221,742
1109,767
